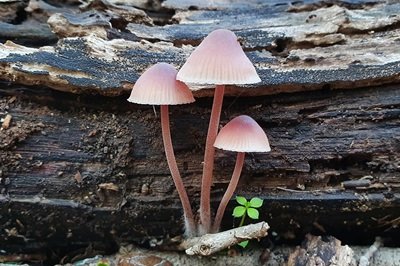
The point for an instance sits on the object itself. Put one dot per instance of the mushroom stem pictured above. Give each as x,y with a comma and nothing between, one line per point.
229,191
208,167
190,226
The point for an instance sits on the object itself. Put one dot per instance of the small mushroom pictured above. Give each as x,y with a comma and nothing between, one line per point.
219,60
158,86
242,134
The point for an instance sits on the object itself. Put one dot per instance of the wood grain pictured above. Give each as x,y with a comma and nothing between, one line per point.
293,49
124,191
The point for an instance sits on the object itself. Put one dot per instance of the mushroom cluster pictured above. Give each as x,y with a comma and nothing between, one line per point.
219,60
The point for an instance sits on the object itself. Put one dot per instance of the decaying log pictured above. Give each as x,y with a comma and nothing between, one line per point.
60,154
312,49
88,171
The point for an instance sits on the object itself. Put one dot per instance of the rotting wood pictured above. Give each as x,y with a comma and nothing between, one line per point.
66,25
32,33
121,14
318,251
361,183
123,192
319,48
41,10
9,10
318,140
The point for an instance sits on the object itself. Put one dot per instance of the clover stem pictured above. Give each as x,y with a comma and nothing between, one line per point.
242,220
190,225
229,191
208,167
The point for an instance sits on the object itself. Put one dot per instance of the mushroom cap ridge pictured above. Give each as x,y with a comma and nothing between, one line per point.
220,60
158,86
242,134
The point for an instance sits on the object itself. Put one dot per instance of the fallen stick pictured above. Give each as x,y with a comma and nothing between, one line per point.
212,243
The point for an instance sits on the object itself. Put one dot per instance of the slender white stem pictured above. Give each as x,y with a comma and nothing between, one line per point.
229,191
173,167
208,167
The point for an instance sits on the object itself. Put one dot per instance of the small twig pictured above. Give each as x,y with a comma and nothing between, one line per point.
22,257
366,257
300,191
360,183
212,243
293,190
307,191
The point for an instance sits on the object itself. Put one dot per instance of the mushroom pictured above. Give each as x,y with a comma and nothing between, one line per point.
242,134
158,86
219,60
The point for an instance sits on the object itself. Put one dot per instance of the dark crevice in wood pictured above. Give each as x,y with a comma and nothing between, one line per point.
341,162
280,47
23,34
300,6
118,24
182,42
63,3
121,34
163,17
353,31
13,12
21,16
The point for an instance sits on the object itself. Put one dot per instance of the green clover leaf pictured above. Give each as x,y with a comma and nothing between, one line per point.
241,200
239,211
256,202
253,213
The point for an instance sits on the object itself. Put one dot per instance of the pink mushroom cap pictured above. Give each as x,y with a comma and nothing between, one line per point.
242,134
220,60
158,86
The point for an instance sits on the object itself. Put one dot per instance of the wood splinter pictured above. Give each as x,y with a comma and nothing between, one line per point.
212,243
6,122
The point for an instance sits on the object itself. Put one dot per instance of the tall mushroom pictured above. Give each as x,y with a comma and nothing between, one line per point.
219,60
242,134
158,86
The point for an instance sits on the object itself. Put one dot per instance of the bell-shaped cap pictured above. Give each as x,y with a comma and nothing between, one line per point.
220,60
242,134
158,86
